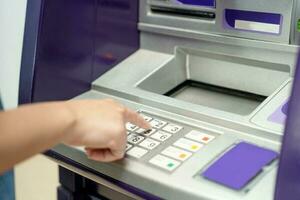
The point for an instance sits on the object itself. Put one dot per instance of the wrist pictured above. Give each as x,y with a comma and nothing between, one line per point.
70,120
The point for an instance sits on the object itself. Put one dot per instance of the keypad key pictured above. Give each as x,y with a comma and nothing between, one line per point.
128,146
149,144
164,162
149,132
155,123
147,118
188,145
145,132
200,137
127,132
137,152
176,153
131,127
161,136
135,139
172,128
140,131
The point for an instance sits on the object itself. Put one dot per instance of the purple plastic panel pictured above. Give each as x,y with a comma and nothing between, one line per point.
208,3
288,178
65,48
279,116
116,35
78,41
231,15
239,165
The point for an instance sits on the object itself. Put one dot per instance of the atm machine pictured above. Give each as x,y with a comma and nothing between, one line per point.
212,77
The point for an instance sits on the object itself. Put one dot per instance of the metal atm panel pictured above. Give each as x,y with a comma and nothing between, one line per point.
253,20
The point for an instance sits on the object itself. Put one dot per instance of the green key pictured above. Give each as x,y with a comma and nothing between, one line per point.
170,165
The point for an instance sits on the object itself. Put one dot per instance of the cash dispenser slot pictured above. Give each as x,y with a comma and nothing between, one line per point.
186,3
209,95
182,12
223,82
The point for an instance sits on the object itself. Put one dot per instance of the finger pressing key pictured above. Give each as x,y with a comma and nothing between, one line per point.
136,119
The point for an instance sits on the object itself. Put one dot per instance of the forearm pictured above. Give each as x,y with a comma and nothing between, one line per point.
31,129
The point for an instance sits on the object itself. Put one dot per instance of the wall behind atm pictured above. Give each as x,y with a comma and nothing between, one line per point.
31,180
12,19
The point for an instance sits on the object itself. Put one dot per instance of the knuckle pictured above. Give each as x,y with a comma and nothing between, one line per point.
112,144
120,129
122,109
119,156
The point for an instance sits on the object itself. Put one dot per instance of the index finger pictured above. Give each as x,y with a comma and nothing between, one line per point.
133,117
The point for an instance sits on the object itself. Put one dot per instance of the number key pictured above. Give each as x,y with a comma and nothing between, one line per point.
155,123
172,128
161,136
135,139
131,127
149,144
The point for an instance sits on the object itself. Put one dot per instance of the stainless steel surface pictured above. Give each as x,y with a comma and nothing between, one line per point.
216,100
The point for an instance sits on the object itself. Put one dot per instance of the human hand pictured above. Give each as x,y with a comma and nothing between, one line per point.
99,126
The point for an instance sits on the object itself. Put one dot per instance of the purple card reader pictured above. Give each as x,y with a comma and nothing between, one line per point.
239,165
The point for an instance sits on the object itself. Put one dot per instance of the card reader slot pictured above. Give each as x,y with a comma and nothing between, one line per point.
183,12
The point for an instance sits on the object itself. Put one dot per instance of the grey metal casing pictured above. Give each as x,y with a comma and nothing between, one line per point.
216,26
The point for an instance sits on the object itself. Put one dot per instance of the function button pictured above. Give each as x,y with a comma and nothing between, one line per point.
135,139
149,144
128,146
131,127
200,137
155,123
137,152
188,145
147,118
161,136
164,162
145,132
172,128
176,153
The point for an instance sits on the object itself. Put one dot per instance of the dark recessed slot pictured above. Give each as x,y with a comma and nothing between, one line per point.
183,12
226,99
205,86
